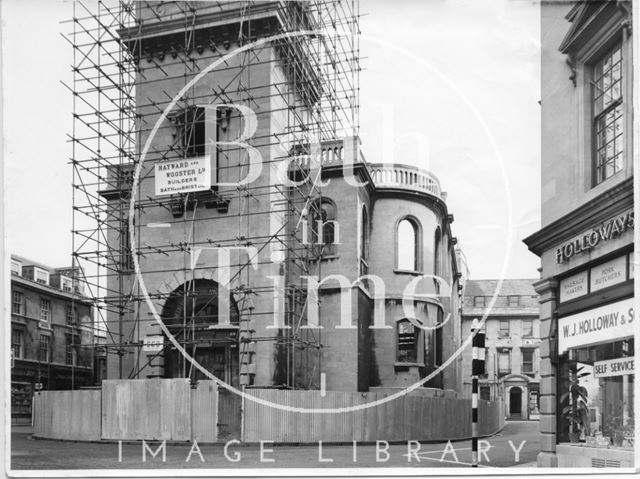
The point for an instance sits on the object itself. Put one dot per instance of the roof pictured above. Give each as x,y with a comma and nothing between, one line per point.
487,287
527,303
28,262
51,290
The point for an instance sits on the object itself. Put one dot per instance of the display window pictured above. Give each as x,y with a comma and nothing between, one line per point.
596,395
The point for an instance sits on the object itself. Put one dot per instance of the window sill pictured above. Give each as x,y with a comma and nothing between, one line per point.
400,364
408,272
328,257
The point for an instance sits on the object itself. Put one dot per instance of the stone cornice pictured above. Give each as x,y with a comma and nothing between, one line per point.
588,19
50,290
590,214
546,289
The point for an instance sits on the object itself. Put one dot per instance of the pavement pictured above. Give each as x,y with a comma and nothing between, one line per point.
517,445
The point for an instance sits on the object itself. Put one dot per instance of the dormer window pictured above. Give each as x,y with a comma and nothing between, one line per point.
66,284
41,276
16,267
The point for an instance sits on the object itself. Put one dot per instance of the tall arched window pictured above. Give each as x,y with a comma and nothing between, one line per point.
324,226
407,245
437,270
364,235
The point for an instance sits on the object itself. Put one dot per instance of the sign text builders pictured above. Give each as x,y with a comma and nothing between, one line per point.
183,176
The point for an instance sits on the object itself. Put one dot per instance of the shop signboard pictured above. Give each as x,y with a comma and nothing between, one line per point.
613,228
613,367
609,273
573,286
182,176
599,325
153,344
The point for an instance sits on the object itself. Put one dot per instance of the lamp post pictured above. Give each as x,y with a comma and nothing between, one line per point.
477,368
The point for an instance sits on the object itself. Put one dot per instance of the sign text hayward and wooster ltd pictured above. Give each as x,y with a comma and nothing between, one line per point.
182,176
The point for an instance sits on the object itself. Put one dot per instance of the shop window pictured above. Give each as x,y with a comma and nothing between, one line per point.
17,343
504,328
45,310
513,300
44,350
324,227
504,362
408,341
527,361
608,118
527,328
479,301
407,245
596,394
17,302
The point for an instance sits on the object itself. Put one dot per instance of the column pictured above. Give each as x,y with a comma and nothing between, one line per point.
546,289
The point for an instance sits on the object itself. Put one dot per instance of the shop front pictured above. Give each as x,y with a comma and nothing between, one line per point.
595,365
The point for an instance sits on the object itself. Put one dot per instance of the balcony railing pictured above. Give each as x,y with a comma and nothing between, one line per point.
397,176
405,177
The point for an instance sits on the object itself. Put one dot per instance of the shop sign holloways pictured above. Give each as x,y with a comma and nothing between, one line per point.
609,230
606,323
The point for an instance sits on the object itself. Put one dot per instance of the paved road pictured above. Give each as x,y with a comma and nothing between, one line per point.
28,453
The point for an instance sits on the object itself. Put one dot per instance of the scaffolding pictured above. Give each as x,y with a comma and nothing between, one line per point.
129,61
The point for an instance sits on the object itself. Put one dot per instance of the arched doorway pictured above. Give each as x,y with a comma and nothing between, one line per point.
208,330
515,402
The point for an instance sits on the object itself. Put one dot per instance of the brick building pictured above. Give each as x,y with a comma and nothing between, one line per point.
512,341
386,224
585,242
52,334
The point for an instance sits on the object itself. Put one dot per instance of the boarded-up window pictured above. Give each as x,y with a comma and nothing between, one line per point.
504,362
408,336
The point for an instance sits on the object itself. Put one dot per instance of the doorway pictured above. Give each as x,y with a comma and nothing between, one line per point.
515,402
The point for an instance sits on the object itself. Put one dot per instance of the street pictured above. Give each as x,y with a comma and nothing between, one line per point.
37,454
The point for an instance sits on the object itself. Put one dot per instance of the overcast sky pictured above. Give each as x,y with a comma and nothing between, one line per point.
459,76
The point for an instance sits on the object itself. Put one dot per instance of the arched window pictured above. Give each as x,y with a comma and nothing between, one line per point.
408,342
324,226
407,245
437,269
364,235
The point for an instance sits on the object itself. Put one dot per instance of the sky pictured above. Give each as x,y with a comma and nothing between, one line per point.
454,83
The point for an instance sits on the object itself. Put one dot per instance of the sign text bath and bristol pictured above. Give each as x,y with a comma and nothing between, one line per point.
613,228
